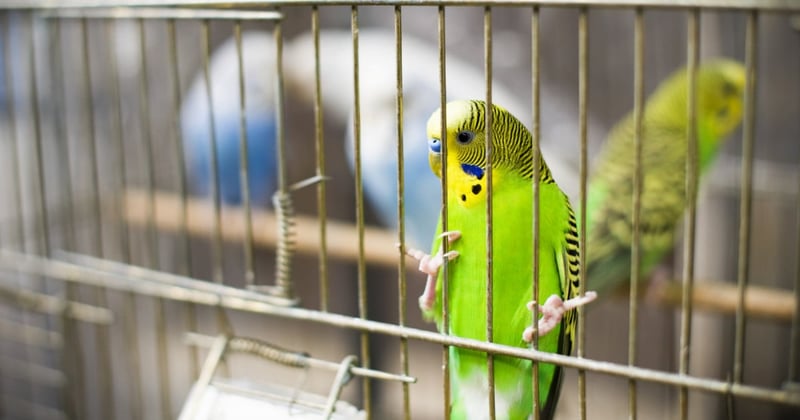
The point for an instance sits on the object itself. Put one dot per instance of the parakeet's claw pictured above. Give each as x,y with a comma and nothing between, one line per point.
553,310
430,265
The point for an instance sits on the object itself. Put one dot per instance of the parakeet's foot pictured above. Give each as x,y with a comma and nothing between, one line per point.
553,310
430,265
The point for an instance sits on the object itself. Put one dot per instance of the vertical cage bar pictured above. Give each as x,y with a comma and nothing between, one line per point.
102,336
445,244
693,52
244,162
150,159
16,179
362,283
130,324
401,218
583,101
40,195
72,356
487,61
185,268
42,219
216,237
118,135
322,209
745,205
151,243
536,132
638,114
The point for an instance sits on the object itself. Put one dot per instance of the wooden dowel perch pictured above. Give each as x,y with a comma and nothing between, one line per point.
381,249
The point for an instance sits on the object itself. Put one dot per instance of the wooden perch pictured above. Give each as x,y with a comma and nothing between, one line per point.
759,301
381,249
380,244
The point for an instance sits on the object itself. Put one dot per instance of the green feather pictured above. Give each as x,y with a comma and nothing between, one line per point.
720,84
512,162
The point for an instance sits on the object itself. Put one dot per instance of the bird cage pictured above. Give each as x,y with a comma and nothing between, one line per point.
209,206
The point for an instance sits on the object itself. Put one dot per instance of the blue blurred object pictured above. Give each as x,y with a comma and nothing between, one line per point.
259,70
465,80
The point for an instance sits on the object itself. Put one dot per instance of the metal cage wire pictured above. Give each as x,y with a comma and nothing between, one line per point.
92,251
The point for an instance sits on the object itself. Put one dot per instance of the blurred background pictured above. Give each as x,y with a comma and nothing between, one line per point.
100,115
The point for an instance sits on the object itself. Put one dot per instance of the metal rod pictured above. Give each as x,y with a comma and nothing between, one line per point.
185,265
15,177
206,341
210,294
322,208
487,61
51,305
190,311
103,340
152,234
638,181
151,243
361,264
216,237
794,336
445,245
244,161
129,323
30,335
402,297
213,359
171,13
745,204
693,52
773,5
72,362
536,132
583,101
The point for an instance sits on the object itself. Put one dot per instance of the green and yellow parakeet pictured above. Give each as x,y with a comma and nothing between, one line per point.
720,84
512,172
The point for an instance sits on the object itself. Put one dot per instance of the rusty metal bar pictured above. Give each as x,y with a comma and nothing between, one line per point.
638,115
447,397
322,208
583,101
536,133
190,311
244,161
174,287
103,344
216,237
487,61
170,13
771,5
152,233
361,264
401,218
693,53
745,204
130,324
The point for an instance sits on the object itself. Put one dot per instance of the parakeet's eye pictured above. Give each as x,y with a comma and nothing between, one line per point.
722,113
435,145
728,89
465,137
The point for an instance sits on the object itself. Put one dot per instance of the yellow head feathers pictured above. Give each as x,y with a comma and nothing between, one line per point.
466,140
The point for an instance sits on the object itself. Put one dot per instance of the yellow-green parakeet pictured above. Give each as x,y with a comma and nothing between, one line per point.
512,178
609,210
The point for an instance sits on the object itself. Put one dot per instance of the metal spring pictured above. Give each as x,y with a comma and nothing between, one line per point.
268,351
284,211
